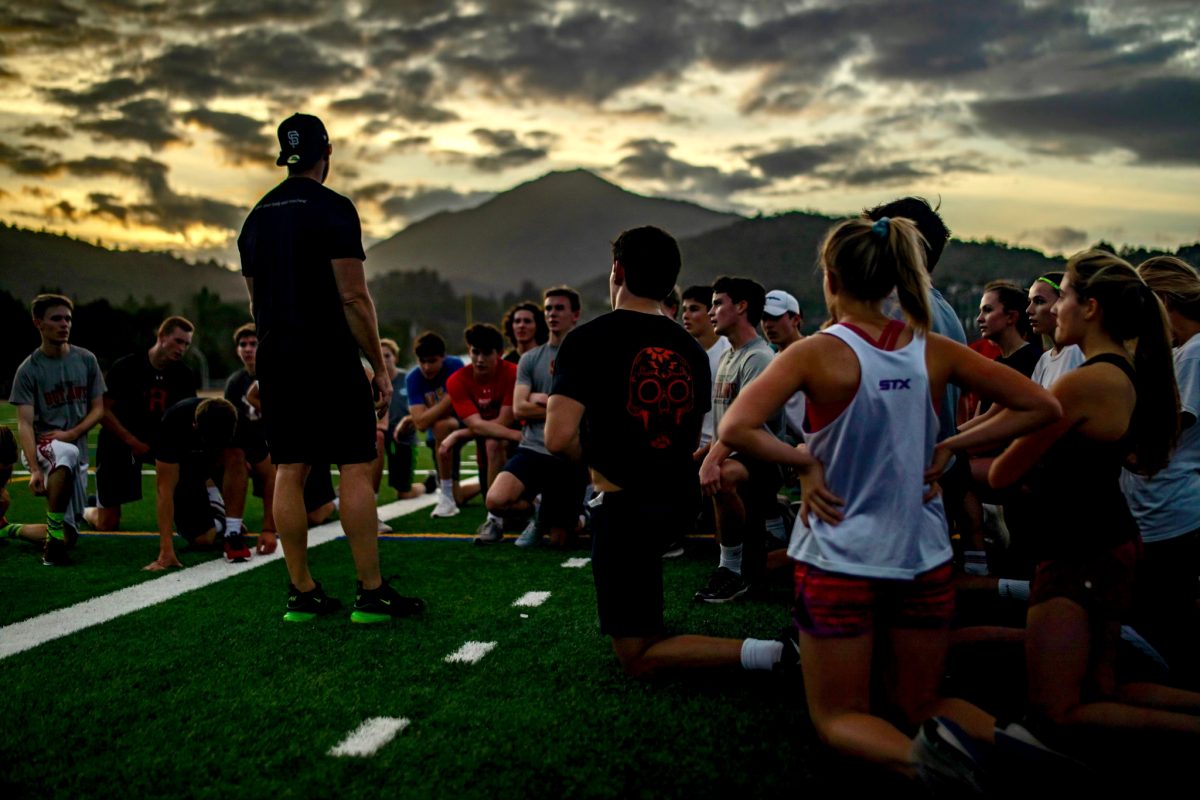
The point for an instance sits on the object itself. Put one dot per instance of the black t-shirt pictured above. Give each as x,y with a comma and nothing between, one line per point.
1023,360
286,246
645,385
141,394
235,392
178,442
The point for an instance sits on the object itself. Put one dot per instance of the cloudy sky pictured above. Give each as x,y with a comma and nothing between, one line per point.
151,123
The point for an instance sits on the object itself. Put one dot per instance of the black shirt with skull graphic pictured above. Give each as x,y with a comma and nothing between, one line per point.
645,386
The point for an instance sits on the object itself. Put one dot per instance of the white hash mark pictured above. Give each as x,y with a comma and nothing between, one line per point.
532,599
367,738
470,652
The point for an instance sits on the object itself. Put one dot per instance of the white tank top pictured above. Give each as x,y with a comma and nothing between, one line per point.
875,454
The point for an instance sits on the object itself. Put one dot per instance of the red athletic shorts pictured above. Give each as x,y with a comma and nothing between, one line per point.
830,604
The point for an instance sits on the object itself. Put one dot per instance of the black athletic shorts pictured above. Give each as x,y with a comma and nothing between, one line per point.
629,533
401,462
332,422
249,438
560,483
118,473
194,513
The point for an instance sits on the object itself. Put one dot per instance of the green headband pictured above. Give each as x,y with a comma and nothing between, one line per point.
1056,287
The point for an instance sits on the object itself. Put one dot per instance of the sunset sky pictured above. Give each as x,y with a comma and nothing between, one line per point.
152,124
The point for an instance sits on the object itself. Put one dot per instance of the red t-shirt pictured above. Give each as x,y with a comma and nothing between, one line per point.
470,397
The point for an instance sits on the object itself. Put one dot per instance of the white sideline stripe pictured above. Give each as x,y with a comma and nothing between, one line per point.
367,738
576,563
29,633
470,652
531,599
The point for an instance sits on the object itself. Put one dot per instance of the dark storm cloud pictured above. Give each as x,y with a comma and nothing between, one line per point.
148,121
1060,238
804,159
1154,119
29,159
505,149
108,206
229,13
586,56
189,70
406,95
423,201
651,159
42,131
241,137
114,90
63,209
162,207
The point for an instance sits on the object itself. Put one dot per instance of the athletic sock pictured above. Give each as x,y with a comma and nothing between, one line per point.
761,654
731,559
1016,590
10,531
54,524
493,518
337,503
233,527
448,488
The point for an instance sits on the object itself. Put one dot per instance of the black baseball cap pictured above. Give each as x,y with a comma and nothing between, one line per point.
302,140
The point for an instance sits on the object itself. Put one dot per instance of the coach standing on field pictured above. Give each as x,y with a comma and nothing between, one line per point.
302,257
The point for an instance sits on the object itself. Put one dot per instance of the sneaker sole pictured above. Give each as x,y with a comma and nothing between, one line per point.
373,618
729,599
300,616
674,552
445,516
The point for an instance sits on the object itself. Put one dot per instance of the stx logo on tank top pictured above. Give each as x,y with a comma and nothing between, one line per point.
894,383
660,393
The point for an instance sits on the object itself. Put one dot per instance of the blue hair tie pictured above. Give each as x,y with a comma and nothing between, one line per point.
880,228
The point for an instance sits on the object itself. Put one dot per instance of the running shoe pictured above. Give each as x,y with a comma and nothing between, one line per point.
489,532
382,604
306,606
723,585
236,549
446,507
947,759
532,535
54,553
789,659
384,527
674,548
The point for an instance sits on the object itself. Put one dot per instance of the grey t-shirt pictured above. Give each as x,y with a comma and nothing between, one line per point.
739,366
536,370
60,390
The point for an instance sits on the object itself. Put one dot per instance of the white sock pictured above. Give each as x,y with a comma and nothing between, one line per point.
493,518
731,559
233,526
337,503
762,654
447,488
1017,590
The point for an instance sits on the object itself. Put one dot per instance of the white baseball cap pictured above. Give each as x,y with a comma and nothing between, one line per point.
779,303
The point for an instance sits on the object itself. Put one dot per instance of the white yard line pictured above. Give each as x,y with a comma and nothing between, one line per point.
576,563
531,599
27,634
470,652
367,738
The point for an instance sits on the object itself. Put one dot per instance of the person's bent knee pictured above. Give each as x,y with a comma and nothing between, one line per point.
103,519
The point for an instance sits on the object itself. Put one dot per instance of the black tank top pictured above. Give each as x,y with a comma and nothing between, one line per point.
1078,487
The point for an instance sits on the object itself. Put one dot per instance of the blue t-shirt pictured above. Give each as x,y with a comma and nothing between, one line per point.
426,392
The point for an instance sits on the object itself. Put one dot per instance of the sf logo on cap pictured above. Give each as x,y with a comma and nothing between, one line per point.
293,138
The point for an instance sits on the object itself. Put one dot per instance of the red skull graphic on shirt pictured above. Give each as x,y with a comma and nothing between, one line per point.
660,393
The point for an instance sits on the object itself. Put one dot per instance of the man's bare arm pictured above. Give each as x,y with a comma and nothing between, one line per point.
359,309
424,416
